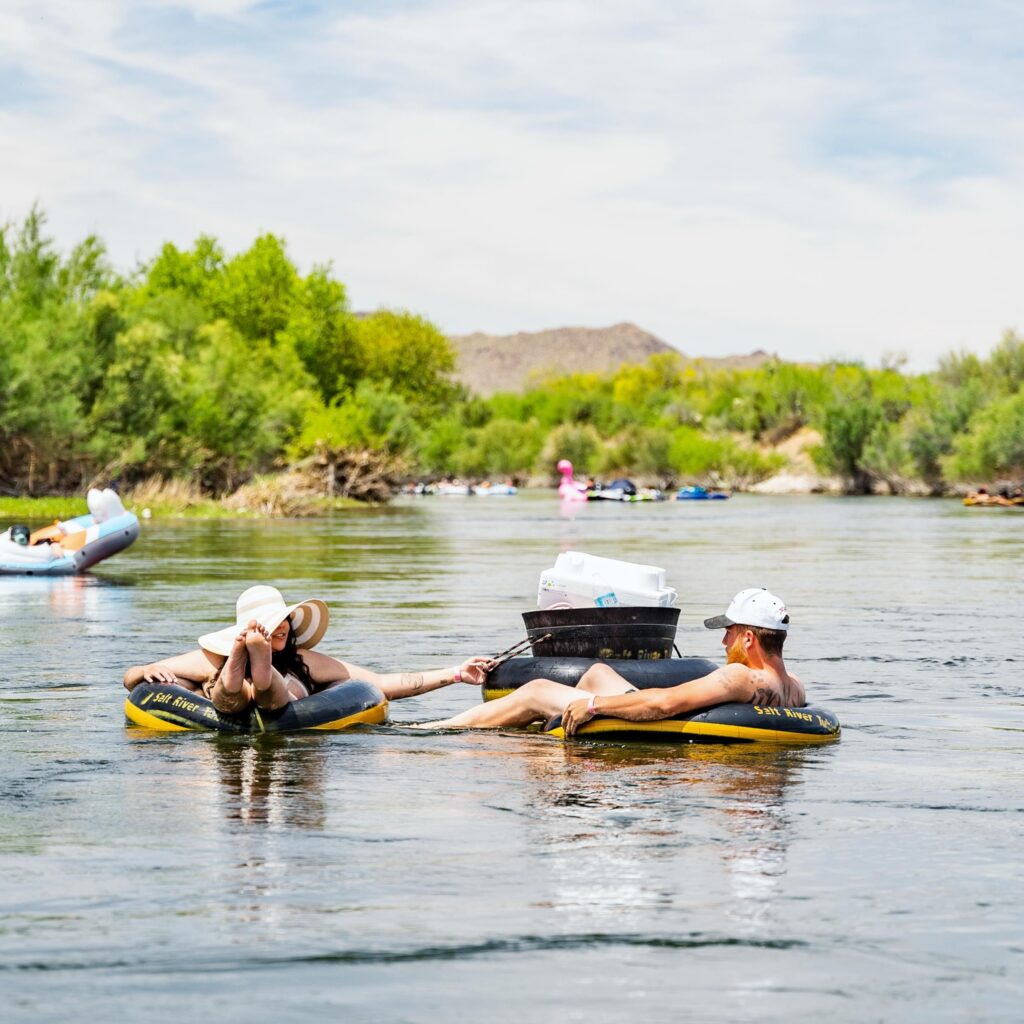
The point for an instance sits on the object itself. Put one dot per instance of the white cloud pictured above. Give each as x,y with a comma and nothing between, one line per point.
728,176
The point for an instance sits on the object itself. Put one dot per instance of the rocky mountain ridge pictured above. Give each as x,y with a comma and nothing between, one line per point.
487,363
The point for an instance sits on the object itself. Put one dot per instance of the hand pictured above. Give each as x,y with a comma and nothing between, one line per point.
577,714
158,674
474,671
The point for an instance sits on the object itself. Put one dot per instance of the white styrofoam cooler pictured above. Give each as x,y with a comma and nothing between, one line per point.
579,580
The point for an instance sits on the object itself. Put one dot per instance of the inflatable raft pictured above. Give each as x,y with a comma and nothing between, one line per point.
698,493
726,723
618,494
71,546
67,547
175,709
993,501
489,490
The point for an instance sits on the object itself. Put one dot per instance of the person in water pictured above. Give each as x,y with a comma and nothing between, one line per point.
266,657
756,624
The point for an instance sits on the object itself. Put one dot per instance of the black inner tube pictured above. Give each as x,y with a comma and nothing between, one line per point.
644,675
188,710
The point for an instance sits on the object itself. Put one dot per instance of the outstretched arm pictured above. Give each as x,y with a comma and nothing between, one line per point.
195,667
730,683
395,685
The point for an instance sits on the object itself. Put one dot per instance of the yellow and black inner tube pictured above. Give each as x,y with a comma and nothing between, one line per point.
175,709
726,723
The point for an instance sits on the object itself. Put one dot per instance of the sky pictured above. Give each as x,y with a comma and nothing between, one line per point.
838,180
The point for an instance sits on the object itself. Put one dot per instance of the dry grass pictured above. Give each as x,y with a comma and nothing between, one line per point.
172,497
170,494
301,491
284,494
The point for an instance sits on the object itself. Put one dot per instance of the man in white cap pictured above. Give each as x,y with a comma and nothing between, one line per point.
755,623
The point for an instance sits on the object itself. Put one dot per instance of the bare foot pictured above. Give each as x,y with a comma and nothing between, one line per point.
257,643
232,675
230,692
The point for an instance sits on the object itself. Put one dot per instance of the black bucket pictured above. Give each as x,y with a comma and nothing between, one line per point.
637,634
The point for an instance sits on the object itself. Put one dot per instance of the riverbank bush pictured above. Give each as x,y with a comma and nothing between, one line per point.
217,369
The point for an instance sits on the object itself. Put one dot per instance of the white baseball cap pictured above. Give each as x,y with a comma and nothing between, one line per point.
753,607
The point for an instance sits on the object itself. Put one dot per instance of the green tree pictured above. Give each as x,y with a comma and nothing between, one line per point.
848,425
133,416
500,447
191,273
886,457
696,457
1004,370
241,402
409,353
993,445
86,272
442,439
256,290
580,443
931,427
325,335
30,267
639,450
375,417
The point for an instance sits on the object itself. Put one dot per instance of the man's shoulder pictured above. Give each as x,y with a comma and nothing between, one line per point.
737,673
739,681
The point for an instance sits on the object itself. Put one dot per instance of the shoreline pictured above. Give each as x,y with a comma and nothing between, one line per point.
13,510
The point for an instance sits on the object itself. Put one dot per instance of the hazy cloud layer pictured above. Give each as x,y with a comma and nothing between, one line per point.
811,179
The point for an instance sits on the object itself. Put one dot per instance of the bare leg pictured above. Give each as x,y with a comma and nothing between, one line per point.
537,699
267,683
603,680
231,693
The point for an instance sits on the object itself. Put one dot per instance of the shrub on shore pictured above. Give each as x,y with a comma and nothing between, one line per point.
216,370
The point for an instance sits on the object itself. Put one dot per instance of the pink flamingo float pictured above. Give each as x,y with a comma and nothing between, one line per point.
569,489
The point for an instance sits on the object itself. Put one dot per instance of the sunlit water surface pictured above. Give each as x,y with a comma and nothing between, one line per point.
388,875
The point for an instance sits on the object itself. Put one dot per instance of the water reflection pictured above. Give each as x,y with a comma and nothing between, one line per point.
254,796
622,824
274,781
48,617
64,597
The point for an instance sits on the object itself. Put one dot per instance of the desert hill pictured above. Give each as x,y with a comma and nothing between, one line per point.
487,362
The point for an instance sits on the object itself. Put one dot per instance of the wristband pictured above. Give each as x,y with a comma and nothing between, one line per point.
591,709
457,674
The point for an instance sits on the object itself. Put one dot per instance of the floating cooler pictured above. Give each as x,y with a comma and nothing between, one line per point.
578,580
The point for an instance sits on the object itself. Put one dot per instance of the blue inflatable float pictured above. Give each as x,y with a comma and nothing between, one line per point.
73,545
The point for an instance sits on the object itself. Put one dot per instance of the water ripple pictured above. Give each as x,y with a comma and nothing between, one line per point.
460,951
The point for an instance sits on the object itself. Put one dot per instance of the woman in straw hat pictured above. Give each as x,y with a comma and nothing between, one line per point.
267,657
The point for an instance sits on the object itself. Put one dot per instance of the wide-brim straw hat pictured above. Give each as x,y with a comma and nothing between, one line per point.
266,605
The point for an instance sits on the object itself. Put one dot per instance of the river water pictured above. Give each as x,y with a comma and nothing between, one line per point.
389,875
